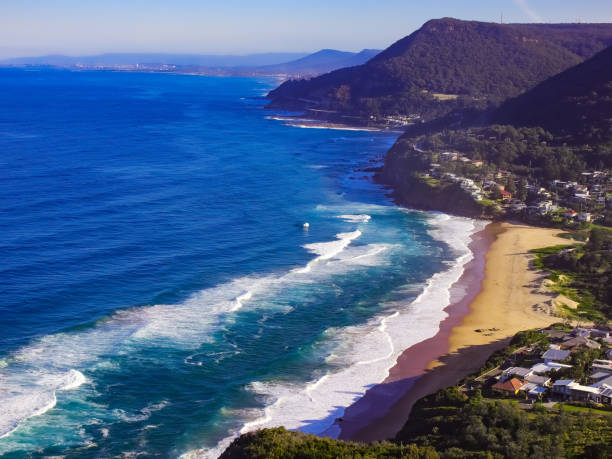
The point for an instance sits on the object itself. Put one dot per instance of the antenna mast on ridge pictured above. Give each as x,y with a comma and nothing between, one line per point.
501,20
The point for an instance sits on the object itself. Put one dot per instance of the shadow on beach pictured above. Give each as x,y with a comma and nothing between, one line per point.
385,408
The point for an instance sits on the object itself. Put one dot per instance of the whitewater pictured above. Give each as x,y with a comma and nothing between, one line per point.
366,352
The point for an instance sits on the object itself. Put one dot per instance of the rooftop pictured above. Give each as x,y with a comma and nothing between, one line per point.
548,366
563,382
512,385
518,371
555,354
539,380
580,341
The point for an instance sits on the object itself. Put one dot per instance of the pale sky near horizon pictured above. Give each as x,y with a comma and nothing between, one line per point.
81,27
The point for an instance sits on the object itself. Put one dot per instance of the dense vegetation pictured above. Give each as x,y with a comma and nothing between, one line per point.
460,426
450,424
583,41
580,361
530,152
584,273
575,105
450,65
280,443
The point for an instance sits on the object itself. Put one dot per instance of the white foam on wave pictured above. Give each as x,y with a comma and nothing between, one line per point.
327,250
364,353
31,376
316,166
332,127
40,397
284,118
368,257
144,414
362,218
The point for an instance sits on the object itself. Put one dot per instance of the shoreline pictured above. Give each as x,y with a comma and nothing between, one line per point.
301,121
413,362
499,275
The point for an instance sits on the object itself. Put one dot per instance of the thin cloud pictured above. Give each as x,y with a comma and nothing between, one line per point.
524,6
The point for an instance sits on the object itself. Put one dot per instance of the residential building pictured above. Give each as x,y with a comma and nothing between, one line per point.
563,386
555,355
580,341
602,365
543,368
543,381
515,371
511,386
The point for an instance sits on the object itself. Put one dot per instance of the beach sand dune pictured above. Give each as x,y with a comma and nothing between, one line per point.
499,294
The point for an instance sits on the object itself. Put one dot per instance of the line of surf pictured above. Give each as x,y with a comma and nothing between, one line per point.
30,377
366,352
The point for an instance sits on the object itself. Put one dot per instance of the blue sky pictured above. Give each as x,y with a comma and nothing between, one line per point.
77,27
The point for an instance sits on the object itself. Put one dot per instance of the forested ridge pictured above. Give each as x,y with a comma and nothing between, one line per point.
575,105
449,65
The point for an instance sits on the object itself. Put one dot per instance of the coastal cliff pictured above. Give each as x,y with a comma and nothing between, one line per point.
411,188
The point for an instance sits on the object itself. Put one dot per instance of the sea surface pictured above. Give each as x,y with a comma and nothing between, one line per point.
159,290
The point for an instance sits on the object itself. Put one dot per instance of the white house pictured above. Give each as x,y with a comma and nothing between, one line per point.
543,368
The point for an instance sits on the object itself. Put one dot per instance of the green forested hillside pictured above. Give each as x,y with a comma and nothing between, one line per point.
583,41
280,443
575,105
450,64
460,426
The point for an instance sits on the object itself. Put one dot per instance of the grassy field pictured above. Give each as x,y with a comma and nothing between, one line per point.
582,409
440,96
564,282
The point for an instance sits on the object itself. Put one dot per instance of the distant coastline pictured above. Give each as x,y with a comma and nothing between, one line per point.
276,65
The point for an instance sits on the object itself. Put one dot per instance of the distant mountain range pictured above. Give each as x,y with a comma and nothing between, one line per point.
284,64
447,65
576,104
322,61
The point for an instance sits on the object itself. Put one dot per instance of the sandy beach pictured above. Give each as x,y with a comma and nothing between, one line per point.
308,123
313,124
498,295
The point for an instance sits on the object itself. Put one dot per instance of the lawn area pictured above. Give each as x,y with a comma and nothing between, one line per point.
573,285
441,96
430,181
582,409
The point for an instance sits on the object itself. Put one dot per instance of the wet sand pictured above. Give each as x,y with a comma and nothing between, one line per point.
497,296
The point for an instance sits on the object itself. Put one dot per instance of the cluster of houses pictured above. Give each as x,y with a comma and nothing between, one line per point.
395,120
573,201
538,380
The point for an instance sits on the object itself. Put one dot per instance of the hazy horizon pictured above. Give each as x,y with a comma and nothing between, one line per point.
72,28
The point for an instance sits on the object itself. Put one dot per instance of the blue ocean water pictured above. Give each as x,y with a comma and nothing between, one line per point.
159,290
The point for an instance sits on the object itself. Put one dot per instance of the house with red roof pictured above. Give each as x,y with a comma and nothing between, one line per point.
511,386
